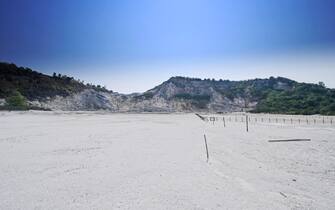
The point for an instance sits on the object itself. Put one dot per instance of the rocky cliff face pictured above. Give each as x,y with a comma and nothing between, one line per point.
178,94
188,94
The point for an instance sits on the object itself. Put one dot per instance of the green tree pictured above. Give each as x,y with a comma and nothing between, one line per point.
16,101
322,84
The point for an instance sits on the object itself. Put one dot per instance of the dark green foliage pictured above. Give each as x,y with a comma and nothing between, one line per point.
37,86
273,95
193,97
199,101
144,96
147,95
302,99
16,102
97,87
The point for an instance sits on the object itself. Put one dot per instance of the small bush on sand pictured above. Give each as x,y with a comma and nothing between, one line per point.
16,102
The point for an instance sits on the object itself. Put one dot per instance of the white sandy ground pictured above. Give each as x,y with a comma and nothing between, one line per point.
53,160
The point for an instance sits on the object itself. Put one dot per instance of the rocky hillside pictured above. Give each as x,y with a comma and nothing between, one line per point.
37,86
178,94
213,95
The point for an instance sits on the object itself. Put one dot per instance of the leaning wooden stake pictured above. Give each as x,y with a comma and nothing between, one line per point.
224,122
246,122
201,117
206,147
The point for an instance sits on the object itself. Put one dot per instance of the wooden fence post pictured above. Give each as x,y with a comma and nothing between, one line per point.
206,147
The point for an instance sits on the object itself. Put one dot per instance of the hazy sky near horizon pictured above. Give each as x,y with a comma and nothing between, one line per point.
133,45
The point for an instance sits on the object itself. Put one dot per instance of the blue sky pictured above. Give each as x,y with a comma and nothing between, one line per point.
133,45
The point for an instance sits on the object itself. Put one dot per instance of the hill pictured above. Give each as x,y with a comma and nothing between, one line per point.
19,81
178,94
273,95
34,85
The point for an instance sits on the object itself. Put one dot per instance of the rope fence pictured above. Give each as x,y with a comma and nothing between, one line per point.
271,119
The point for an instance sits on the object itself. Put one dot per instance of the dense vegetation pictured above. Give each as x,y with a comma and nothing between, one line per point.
16,102
18,81
199,101
273,95
302,99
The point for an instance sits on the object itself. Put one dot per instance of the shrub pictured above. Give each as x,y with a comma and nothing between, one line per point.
16,102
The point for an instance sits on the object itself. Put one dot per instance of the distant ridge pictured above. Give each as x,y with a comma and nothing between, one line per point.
177,94
34,85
